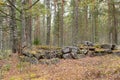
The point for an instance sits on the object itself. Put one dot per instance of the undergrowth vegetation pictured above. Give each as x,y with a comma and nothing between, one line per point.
4,54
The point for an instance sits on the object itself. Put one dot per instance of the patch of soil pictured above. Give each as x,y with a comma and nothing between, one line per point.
89,68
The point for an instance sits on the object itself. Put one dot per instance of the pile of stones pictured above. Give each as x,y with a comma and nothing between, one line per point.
68,52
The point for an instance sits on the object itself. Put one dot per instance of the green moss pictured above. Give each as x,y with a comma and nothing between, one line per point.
97,46
15,78
48,47
37,42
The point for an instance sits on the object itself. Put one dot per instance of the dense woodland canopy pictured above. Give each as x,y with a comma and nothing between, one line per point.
24,23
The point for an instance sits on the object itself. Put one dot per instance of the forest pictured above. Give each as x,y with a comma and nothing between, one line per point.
59,40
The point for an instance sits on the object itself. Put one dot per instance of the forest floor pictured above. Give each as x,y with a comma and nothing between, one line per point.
90,68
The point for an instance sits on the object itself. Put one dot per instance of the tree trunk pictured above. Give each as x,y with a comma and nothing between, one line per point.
86,24
13,27
48,22
28,19
23,26
1,38
56,23
75,22
112,22
37,29
62,24
44,30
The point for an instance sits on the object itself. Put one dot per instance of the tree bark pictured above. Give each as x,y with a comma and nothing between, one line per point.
48,22
29,25
61,23
23,25
75,22
112,23
86,23
13,28
37,29
56,23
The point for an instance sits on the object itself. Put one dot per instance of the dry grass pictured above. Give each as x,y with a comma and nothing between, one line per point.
96,68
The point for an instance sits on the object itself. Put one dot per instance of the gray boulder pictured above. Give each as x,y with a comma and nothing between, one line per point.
108,46
67,56
58,54
88,43
50,54
70,49
117,53
74,55
75,49
108,51
84,51
39,56
25,53
33,60
66,50
70,52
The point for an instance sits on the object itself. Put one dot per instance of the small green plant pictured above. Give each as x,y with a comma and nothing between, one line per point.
1,57
21,65
16,78
5,54
36,41
6,67
1,73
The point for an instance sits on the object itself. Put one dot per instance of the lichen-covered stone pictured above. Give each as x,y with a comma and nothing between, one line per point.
67,56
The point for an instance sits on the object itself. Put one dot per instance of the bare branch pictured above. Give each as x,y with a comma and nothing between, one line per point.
14,6
11,17
32,5
3,12
7,15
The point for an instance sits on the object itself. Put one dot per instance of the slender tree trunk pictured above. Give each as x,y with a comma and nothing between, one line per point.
1,37
95,23
13,27
112,22
62,24
76,26
23,23
96,28
109,22
86,23
44,27
1,33
37,29
44,30
48,22
56,24
28,29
